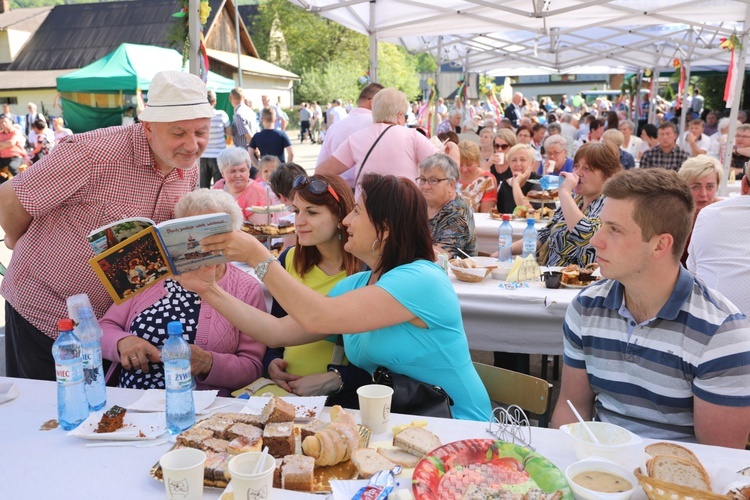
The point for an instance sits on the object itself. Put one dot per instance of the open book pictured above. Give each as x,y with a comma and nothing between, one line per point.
133,254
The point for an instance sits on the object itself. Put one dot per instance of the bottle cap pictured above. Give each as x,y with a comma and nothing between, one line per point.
506,217
65,324
174,328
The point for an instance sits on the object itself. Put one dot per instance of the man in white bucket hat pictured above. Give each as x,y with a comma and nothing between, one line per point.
88,181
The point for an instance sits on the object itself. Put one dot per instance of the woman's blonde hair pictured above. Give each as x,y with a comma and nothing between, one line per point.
387,104
507,135
470,153
700,166
522,149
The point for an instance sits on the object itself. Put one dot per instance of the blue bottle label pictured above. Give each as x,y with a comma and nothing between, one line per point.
178,379
68,374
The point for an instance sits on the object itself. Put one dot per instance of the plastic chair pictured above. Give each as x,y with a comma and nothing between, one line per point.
512,388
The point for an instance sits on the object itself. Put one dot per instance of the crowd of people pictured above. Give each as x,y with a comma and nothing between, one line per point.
658,348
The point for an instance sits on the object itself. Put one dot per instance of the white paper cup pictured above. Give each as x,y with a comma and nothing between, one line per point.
375,406
551,166
245,482
501,158
183,473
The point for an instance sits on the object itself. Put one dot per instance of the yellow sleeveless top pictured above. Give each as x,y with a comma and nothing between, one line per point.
311,358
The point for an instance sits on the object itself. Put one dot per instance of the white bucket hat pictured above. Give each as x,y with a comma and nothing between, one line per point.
175,96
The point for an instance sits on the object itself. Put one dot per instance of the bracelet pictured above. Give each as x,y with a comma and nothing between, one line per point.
262,268
337,372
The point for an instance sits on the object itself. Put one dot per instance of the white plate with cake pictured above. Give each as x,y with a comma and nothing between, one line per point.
116,425
155,400
306,408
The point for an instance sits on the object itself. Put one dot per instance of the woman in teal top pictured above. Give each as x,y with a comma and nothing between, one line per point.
403,315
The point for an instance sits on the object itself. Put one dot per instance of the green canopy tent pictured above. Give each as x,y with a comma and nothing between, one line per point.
128,70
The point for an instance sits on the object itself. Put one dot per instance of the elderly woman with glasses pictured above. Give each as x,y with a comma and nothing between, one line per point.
403,314
703,174
555,150
451,220
222,358
476,186
318,261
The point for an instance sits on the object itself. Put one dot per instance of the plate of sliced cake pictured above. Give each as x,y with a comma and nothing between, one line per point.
118,424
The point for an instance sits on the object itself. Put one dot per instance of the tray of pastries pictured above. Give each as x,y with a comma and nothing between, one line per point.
308,454
550,195
280,229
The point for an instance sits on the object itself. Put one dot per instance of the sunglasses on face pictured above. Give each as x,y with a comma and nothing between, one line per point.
501,146
315,186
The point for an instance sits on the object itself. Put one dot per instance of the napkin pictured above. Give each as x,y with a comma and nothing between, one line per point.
524,269
8,392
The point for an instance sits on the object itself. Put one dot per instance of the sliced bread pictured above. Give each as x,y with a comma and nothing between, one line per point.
369,462
400,457
416,440
672,449
679,471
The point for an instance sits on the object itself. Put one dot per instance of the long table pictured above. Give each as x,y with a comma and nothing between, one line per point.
523,320
49,464
485,227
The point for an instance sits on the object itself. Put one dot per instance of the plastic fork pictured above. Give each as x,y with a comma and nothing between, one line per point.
137,444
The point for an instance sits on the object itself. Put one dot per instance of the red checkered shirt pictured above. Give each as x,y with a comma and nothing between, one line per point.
88,180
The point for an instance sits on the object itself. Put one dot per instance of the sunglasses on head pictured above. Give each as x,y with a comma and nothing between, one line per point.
501,146
315,186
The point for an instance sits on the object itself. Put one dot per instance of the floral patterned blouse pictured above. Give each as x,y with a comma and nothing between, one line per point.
453,228
572,247
483,188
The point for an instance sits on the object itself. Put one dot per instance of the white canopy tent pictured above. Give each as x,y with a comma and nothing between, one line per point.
511,37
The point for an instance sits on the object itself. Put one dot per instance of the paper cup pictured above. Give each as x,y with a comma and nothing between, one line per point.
551,166
245,482
501,158
375,407
183,473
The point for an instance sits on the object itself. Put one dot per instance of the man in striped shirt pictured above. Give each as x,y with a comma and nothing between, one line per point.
221,127
651,348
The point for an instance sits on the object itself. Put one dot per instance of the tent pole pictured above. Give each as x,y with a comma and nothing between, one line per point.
239,47
686,93
739,79
373,45
651,111
435,119
194,23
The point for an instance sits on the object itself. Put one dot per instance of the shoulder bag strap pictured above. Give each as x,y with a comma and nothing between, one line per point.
337,357
362,165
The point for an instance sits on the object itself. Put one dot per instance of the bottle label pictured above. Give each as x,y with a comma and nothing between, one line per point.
68,374
178,379
505,241
529,247
92,357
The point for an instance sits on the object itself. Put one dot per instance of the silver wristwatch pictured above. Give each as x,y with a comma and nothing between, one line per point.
262,268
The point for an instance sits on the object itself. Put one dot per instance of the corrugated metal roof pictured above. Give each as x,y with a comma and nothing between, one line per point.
252,65
73,36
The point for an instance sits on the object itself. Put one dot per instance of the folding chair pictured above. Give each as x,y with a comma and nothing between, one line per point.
507,387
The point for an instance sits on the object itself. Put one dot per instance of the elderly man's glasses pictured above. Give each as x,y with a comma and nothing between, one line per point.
315,186
502,147
432,182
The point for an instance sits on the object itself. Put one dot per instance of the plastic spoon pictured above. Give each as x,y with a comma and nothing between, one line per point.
468,256
261,460
580,419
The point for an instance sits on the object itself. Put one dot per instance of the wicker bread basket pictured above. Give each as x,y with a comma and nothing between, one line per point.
470,275
661,490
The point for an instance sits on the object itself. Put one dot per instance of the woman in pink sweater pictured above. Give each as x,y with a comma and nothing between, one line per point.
222,358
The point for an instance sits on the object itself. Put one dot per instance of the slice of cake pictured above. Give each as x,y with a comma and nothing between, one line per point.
278,410
297,473
243,418
194,437
112,420
311,427
246,430
216,467
244,438
215,445
277,473
218,426
279,437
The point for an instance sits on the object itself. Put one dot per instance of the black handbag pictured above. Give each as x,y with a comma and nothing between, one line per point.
413,397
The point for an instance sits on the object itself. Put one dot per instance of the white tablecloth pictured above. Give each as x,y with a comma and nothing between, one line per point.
527,320
486,228
49,464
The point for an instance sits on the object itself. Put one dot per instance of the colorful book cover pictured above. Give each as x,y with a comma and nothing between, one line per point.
157,252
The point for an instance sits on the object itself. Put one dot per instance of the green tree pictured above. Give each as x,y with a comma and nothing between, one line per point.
397,68
333,80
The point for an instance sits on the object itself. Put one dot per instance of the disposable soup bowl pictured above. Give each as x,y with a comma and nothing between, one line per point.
599,465
615,443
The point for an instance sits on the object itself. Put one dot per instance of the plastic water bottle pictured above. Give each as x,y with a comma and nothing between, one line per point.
549,182
72,407
529,239
504,240
90,334
178,380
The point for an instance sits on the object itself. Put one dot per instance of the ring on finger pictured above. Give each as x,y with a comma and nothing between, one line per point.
134,357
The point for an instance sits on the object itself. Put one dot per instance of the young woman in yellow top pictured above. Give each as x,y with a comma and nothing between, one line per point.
319,261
